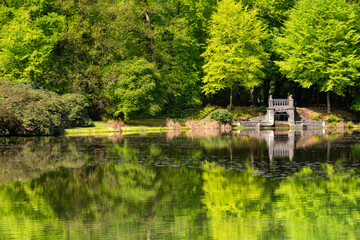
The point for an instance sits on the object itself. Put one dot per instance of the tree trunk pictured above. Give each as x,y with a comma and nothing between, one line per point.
231,99
252,95
266,89
328,102
150,38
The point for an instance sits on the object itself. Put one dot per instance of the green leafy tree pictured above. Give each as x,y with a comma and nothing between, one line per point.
234,54
132,86
319,46
28,33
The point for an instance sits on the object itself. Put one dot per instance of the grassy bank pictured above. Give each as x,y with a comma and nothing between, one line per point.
103,128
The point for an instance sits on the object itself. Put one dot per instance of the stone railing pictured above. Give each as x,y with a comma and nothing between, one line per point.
311,123
289,102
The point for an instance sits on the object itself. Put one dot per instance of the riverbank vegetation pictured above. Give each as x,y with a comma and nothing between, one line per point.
138,59
26,111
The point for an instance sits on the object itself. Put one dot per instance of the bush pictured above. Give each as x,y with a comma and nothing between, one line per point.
26,111
221,115
205,111
333,119
316,116
76,110
262,109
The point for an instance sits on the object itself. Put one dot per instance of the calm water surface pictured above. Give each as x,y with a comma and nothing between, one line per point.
244,185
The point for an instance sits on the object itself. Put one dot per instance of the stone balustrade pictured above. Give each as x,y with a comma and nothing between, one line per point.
289,102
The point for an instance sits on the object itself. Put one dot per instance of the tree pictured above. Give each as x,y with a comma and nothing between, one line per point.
132,86
234,54
28,33
319,46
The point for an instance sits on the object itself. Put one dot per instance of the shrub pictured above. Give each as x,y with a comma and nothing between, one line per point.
76,110
28,111
205,111
221,115
262,109
333,119
316,116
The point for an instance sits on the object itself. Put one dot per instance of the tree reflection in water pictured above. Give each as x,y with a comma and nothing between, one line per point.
213,187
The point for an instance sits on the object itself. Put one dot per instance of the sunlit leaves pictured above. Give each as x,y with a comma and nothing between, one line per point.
133,86
27,37
319,45
234,54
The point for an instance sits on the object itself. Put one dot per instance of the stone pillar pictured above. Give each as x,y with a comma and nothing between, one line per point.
271,102
291,119
291,111
270,115
291,101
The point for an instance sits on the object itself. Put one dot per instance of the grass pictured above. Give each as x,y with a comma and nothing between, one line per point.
101,128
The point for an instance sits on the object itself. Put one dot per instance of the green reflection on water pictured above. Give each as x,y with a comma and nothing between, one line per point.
235,201
153,188
245,205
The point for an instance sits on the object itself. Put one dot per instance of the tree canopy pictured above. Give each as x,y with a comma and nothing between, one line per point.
234,55
199,52
319,45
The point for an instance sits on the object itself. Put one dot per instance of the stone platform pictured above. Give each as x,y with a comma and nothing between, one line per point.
281,112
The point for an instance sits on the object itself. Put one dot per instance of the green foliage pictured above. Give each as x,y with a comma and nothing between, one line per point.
76,110
234,55
242,114
194,46
333,119
28,33
350,124
132,86
221,115
356,104
25,111
316,116
320,45
205,111
261,109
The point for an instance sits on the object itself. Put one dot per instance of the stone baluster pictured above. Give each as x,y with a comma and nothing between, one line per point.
271,102
291,101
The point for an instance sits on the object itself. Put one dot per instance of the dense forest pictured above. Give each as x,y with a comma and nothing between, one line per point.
149,58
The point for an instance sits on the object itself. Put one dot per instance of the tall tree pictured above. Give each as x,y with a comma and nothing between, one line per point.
234,54
29,31
319,46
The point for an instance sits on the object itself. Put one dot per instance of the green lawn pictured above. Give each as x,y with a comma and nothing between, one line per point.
102,128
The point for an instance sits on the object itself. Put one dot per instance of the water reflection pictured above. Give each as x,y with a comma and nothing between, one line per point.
282,143
232,186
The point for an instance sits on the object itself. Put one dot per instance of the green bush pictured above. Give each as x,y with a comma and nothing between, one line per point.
76,110
333,119
28,111
316,116
205,111
221,115
262,109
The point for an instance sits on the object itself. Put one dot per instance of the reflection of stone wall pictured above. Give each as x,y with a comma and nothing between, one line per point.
281,143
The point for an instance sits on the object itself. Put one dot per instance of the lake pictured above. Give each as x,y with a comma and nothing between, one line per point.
283,184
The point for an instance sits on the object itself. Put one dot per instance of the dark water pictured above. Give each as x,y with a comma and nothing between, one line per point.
244,185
